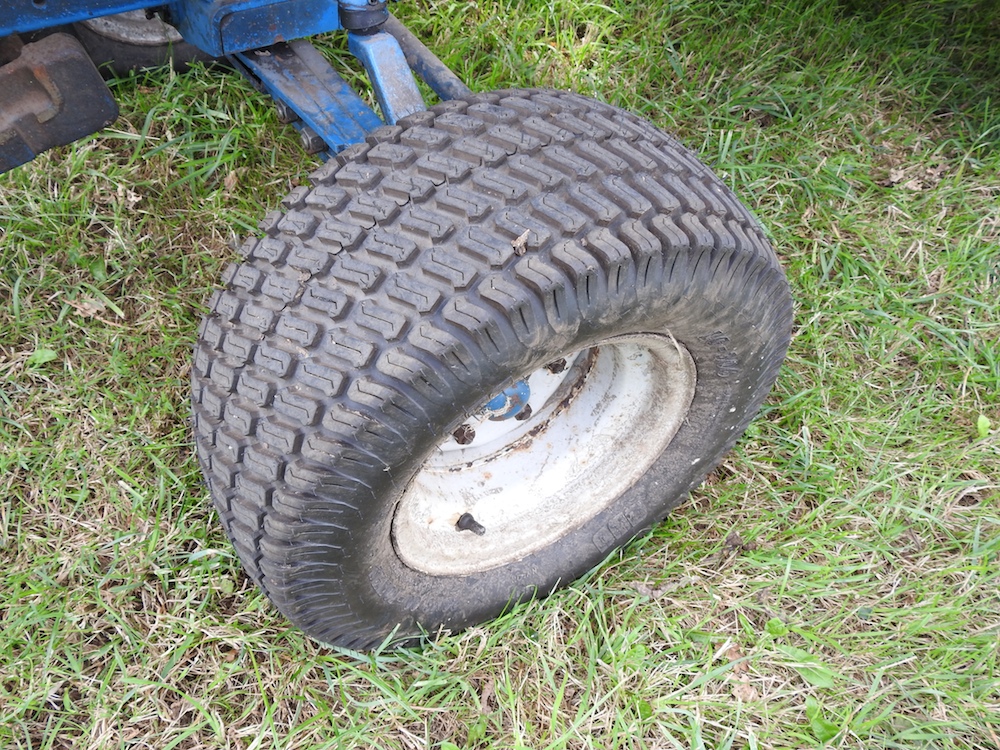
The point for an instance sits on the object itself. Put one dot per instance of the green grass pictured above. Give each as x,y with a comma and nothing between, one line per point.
835,582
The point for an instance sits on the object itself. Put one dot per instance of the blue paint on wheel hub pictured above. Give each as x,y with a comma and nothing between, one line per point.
509,402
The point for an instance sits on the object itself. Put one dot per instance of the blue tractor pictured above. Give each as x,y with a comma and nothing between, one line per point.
494,340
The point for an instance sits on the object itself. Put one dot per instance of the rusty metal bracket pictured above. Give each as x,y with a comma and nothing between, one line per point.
50,95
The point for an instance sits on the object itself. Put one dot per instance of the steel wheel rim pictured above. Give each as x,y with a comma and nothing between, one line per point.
518,488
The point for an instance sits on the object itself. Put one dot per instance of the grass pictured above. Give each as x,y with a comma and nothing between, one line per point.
835,583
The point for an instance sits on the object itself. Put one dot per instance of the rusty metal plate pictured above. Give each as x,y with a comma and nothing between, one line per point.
50,95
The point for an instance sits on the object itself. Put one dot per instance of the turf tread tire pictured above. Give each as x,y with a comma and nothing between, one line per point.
450,252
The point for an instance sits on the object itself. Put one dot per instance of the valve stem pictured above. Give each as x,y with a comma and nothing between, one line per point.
467,523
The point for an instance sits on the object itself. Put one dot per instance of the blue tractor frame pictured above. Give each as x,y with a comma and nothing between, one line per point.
51,94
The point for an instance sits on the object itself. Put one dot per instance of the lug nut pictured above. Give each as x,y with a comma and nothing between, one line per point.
285,113
464,434
556,367
524,414
311,140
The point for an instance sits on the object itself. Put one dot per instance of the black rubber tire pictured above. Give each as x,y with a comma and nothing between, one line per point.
116,58
393,298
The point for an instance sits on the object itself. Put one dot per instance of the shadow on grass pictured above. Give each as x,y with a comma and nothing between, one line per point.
950,48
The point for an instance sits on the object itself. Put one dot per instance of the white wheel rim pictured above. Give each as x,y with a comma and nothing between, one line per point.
595,429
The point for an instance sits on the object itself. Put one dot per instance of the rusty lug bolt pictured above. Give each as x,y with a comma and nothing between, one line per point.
464,434
524,414
467,523
556,367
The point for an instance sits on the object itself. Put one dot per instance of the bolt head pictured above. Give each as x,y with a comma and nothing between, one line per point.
285,113
311,140
464,434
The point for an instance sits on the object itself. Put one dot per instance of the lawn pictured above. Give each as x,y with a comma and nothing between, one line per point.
835,582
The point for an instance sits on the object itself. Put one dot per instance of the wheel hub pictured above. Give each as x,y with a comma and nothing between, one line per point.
509,403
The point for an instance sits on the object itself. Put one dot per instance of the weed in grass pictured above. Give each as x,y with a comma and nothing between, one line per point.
834,583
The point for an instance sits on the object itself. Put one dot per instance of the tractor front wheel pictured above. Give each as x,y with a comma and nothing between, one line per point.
483,350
